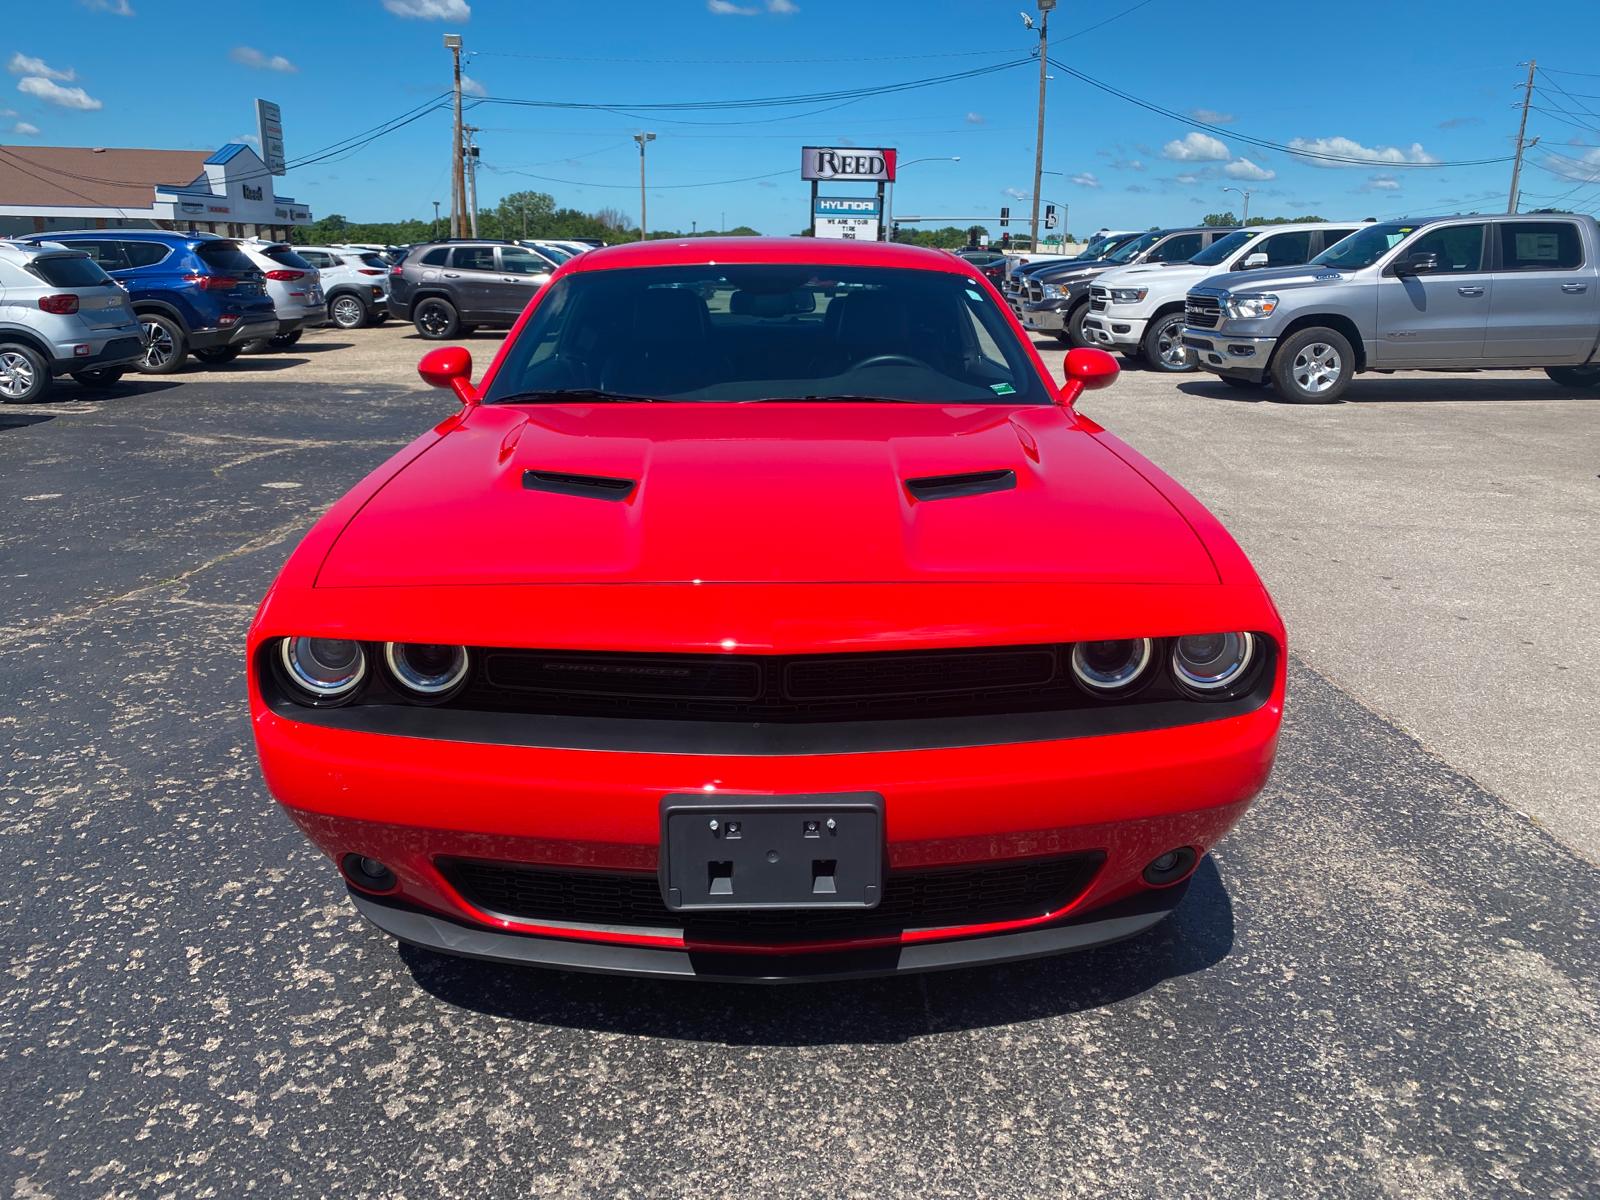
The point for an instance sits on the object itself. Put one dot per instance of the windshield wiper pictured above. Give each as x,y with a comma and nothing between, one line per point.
840,399
579,395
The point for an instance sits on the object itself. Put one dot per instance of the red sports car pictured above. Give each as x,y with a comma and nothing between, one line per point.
766,613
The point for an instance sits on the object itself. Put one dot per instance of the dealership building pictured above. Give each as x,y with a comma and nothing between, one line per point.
227,191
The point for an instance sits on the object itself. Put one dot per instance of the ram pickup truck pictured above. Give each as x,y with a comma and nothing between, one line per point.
1139,310
1054,298
1448,293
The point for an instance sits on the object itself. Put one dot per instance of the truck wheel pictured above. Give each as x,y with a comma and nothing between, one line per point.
1313,366
24,375
1163,345
164,345
1578,377
348,311
1075,325
436,319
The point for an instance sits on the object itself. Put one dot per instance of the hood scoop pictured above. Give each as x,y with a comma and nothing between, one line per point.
968,483
592,487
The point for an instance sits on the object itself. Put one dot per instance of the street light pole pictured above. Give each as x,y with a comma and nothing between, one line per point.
434,232
1245,220
1038,149
888,203
642,138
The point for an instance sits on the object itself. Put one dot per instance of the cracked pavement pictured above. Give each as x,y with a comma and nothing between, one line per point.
1384,983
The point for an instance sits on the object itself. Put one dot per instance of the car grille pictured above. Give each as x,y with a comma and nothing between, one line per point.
775,688
1099,297
919,899
1203,312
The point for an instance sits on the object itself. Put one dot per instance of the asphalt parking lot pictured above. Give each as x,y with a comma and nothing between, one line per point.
1384,983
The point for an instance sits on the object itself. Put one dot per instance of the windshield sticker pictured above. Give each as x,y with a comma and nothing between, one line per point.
1002,389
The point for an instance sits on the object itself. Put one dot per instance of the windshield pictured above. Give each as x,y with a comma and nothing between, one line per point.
1131,250
753,332
1100,246
1219,250
1365,246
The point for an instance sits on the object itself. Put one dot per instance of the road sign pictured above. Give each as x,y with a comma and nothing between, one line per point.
1049,216
269,128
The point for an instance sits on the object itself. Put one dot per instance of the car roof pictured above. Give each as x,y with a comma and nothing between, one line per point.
827,252
190,236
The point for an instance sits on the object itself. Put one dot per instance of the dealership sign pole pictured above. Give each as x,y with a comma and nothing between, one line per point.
840,216
269,129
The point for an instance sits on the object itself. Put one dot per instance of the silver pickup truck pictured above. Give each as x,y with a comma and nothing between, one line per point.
1453,293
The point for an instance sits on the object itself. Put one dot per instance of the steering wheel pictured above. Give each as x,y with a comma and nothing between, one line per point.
888,360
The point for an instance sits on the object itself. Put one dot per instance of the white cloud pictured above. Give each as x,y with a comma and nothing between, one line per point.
1196,147
1084,179
119,8
726,8
1383,183
54,93
23,129
248,139
249,56
1583,169
1343,147
1015,193
974,118
471,87
1210,116
23,64
1187,180
7,112
1128,164
1243,168
782,7
430,10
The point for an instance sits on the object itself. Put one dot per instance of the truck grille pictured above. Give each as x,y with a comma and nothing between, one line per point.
1203,312
922,899
1099,297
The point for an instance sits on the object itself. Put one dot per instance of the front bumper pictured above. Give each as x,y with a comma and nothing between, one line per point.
120,350
1045,316
1236,355
1109,329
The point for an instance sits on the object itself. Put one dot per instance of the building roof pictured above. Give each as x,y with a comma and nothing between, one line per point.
227,152
84,177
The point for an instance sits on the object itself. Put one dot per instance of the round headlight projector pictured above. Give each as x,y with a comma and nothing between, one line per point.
327,668
426,668
1110,666
1209,662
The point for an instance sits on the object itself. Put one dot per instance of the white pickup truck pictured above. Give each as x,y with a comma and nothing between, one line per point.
1139,310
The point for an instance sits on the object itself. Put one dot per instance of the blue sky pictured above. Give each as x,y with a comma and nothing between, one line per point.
1398,91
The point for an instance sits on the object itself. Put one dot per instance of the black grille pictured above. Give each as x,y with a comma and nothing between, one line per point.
778,688
911,899
1203,312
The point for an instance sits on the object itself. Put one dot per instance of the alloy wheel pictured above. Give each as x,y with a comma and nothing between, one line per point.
433,320
16,375
1169,346
1317,368
347,312
158,345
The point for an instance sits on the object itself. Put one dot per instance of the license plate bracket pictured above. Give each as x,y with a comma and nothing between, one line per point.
771,852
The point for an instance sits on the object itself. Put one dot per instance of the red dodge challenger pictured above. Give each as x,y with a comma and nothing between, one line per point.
766,613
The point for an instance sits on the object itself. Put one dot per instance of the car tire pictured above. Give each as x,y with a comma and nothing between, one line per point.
1162,346
165,346
1576,377
100,377
1064,338
216,356
1313,366
436,319
24,374
349,311
1075,318
284,340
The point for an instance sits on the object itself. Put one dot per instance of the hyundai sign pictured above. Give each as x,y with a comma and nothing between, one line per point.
835,163
852,218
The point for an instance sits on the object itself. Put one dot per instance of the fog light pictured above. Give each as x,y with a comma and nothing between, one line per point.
1170,867
367,874
82,351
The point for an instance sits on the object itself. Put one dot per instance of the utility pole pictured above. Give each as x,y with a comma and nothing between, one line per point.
1522,129
472,180
1038,150
642,138
434,231
458,185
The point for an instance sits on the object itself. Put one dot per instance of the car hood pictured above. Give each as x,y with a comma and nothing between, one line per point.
1069,269
765,493
1305,275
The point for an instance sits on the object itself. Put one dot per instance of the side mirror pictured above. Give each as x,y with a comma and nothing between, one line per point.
1251,261
1086,370
449,367
1416,264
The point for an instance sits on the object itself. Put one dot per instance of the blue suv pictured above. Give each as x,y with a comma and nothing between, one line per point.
194,293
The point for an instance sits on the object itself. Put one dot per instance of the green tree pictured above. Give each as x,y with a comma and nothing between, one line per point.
521,214
1222,219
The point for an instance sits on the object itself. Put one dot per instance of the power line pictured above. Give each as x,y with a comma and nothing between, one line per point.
662,187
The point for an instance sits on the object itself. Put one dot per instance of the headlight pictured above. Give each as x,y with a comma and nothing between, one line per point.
1209,662
1110,666
324,668
426,668
1053,291
1128,295
1248,308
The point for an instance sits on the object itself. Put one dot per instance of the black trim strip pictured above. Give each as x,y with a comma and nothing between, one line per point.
967,483
592,487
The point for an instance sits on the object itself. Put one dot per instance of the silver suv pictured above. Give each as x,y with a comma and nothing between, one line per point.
60,314
355,283
294,287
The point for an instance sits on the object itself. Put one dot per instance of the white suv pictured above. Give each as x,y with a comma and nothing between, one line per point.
60,314
294,287
1139,310
355,283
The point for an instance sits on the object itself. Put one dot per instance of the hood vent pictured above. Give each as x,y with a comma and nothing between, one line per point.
968,483
592,487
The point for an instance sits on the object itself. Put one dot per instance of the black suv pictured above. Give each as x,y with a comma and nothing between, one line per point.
448,289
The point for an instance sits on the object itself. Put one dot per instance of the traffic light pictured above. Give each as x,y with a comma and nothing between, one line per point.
1049,216
1005,217
1005,238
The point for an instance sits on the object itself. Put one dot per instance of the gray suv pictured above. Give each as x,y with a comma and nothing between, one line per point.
60,314
448,289
1448,293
